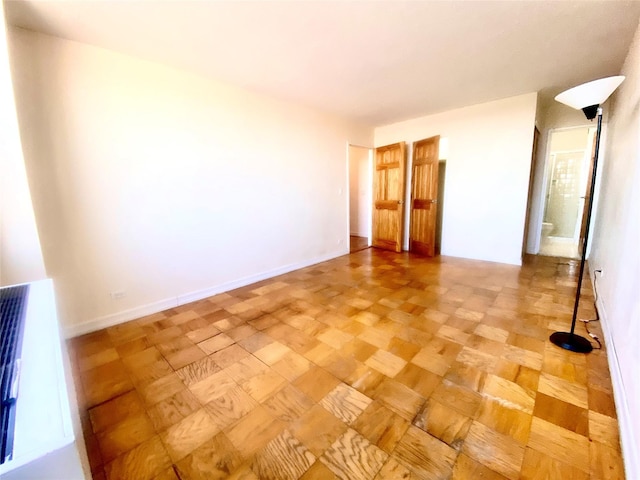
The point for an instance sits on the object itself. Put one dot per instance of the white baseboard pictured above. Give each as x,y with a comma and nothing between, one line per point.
155,307
628,439
118,318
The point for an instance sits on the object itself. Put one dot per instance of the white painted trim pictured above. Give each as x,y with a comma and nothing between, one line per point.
370,196
628,439
155,307
359,234
545,178
99,323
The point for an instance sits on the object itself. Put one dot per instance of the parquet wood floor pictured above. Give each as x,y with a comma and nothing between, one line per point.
375,365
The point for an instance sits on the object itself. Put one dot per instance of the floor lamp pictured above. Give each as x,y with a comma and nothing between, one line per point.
586,97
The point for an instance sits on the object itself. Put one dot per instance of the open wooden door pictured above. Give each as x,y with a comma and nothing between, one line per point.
424,196
388,197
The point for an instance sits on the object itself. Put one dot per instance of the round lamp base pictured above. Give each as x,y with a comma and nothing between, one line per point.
571,341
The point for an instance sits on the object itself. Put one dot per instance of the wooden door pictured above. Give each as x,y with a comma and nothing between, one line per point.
388,197
424,197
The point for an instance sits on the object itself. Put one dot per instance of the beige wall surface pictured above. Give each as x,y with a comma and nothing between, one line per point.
488,161
615,251
20,255
157,187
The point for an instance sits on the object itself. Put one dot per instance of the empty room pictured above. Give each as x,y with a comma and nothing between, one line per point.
320,239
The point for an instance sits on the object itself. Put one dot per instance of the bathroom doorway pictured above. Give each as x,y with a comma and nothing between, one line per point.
567,172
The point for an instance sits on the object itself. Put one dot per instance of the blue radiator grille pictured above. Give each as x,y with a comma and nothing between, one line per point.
13,306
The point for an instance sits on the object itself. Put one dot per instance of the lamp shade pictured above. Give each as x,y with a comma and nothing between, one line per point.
591,93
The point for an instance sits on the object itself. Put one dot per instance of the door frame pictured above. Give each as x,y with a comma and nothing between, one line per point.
545,179
369,192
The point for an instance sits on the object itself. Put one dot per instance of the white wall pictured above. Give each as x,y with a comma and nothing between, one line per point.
487,174
615,251
20,254
360,185
168,186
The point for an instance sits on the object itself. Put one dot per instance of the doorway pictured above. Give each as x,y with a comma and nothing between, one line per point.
360,181
567,172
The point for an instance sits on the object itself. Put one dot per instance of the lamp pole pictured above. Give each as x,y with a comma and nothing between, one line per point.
571,341
586,97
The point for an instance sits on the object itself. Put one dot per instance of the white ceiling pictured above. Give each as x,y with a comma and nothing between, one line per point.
374,61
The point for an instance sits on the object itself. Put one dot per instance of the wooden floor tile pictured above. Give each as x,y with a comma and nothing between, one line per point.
563,414
345,402
147,366
602,402
318,429
144,462
525,377
381,426
425,455
197,371
461,399
99,358
466,375
124,436
231,406
392,468
372,365
241,332
115,410
212,387
443,423
245,369
318,471
386,363
505,418
105,382
264,385
272,353
352,457
492,333
254,431
563,390
203,333
509,393
215,343
496,451
173,409
316,383
537,466
283,458
288,404
403,349
292,365
188,434
522,357
418,379
466,468
605,462
399,398
604,429
559,443
229,355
